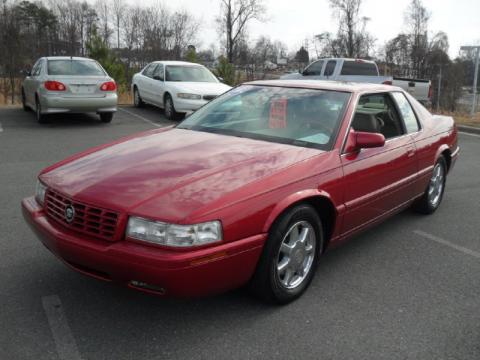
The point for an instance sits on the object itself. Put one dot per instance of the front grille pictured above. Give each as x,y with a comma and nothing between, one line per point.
209,97
88,219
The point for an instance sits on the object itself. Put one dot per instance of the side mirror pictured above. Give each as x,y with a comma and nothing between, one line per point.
221,79
363,140
156,77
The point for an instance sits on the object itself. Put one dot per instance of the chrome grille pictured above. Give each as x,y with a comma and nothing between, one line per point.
90,220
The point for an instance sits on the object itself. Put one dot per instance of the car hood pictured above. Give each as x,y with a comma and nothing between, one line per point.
169,174
201,88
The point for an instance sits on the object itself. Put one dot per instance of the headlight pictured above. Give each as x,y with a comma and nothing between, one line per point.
189,96
40,191
174,235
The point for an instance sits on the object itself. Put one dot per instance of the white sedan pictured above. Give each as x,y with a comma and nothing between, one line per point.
176,86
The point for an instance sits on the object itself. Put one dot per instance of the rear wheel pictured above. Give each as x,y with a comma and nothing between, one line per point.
137,99
289,259
41,118
433,195
170,112
106,117
24,102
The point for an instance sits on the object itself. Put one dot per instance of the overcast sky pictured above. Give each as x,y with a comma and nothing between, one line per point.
292,21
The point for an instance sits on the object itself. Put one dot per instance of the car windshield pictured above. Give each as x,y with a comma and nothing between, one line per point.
302,117
188,73
74,67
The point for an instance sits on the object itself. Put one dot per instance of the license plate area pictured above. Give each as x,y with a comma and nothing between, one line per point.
82,89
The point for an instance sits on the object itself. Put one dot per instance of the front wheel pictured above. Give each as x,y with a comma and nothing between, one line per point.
137,99
106,117
433,195
170,112
289,259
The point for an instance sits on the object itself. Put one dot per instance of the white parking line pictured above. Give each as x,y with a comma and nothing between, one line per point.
140,117
462,249
469,134
62,335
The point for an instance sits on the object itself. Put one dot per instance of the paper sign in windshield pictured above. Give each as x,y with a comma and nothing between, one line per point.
278,114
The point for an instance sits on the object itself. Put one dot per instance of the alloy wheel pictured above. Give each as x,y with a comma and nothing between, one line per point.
437,182
296,255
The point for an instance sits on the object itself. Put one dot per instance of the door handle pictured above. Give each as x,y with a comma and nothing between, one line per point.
410,151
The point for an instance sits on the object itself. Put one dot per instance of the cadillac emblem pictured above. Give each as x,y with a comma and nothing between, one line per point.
69,213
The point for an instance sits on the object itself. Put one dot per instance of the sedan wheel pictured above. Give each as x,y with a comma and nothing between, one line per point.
296,254
431,199
41,118
137,100
290,255
24,102
170,112
435,189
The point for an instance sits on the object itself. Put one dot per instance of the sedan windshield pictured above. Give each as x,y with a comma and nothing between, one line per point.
302,117
74,67
188,73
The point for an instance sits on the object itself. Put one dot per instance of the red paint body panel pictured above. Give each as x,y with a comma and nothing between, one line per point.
185,177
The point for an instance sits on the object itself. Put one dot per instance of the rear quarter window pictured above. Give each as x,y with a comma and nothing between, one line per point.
359,68
408,115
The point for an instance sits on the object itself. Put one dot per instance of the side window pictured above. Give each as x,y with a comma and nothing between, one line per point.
158,73
376,113
149,70
330,68
314,68
409,118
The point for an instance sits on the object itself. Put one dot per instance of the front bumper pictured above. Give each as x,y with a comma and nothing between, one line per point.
178,273
184,105
53,103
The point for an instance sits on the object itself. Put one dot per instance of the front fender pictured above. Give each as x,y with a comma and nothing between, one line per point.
293,199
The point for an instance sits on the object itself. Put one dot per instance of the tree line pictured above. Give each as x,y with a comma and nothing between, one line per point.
123,38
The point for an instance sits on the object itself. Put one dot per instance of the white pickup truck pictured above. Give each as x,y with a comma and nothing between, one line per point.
357,70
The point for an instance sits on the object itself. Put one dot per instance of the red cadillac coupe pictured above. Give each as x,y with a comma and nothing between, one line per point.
250,189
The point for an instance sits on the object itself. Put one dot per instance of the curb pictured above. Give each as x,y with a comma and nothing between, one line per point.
468,129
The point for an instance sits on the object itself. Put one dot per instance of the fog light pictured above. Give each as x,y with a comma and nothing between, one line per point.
147,287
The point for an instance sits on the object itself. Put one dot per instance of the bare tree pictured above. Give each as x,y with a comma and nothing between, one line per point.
233,19
352,38
416,19
103,12
118,9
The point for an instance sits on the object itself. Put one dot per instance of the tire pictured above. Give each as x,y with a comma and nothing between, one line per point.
170,112
287,266
106,117
433,195
41,118
24,102
137,99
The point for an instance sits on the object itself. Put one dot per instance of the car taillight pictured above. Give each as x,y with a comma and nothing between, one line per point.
108,86
430,92
54,86
387,82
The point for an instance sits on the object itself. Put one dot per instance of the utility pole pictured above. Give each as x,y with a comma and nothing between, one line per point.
477,56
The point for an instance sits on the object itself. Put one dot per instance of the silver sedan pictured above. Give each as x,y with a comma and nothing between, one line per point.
59,84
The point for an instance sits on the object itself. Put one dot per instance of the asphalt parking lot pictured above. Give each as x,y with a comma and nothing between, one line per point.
407,289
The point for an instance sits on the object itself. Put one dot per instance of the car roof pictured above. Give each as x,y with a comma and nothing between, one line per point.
172,62
67,58
328,85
